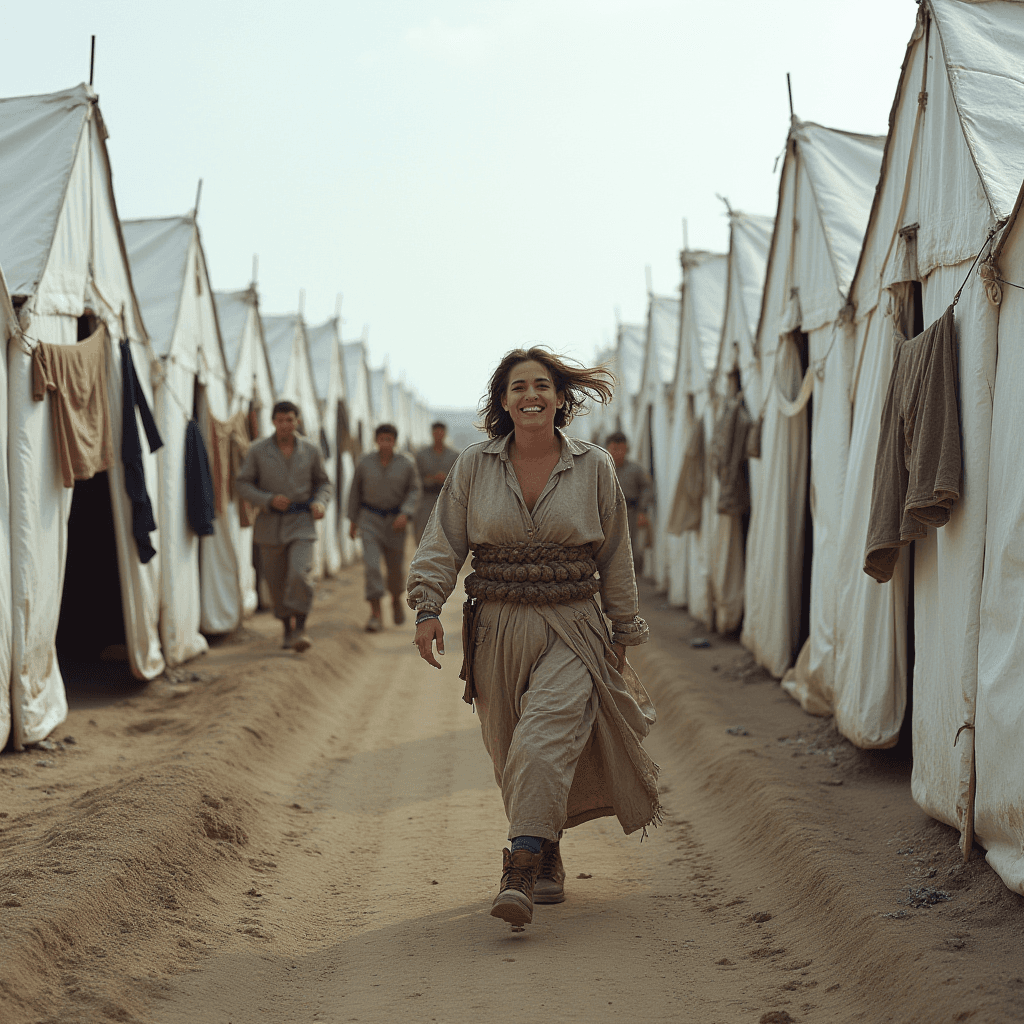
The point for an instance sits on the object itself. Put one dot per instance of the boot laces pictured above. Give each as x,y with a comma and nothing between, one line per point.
548,860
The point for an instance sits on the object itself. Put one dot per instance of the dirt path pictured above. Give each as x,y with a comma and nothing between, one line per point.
264,845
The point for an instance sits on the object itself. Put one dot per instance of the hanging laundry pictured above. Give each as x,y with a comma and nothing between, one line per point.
729,457
917,468
229,444
199,503
75,376
689,496
143,523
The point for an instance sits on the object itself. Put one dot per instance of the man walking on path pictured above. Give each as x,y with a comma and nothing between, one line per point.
638,489
385,492
434,463
284,477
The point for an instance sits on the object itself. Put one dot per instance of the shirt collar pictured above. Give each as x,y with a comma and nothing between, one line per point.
570,447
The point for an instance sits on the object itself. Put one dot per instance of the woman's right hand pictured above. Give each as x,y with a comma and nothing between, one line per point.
426,633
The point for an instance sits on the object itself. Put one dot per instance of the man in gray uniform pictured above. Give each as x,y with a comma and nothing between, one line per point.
385,492
434,464
638,489
284,477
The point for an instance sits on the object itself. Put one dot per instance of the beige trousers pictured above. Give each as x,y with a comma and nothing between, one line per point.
288,570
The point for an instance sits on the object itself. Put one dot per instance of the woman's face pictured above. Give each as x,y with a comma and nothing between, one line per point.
530,397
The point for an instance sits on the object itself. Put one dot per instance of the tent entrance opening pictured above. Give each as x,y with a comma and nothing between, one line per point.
90,632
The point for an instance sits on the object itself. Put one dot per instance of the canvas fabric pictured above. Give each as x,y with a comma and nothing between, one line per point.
917,468
75,379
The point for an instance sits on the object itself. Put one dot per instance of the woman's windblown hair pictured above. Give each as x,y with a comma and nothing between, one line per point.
576,382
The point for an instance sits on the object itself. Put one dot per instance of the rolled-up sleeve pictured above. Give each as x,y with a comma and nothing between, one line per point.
245,482
415,490
614,558
355,492
443,548
321,482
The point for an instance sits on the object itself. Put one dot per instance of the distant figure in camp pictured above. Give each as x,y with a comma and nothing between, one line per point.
434,463
562,712
284,477
384,495
638,489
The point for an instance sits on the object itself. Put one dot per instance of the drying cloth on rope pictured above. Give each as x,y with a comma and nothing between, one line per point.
917,469
729,458
75,377
689,496
199,502
143,523
229,443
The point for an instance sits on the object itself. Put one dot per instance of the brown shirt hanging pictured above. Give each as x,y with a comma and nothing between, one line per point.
76,378
917,469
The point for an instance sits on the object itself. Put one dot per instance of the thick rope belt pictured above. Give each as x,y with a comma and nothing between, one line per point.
533,573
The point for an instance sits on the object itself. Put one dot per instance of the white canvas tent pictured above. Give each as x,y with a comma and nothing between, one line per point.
199,585
629,366
653,420
825,192
357,388
252,393
328,375
62,250
951,175
9,335
688,556
380,397
749,239
290,366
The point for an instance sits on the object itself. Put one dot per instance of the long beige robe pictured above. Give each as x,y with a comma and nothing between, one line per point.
562,725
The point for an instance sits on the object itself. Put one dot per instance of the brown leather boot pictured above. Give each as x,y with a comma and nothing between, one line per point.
550,884
514,902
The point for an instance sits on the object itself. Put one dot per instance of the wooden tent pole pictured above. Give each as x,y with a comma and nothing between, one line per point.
199,192
92,59
255,268
789,89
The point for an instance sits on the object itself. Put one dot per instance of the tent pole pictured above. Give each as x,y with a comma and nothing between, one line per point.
302,301
255,268
199,192
789,89
337,309
686,236
92,58
647,275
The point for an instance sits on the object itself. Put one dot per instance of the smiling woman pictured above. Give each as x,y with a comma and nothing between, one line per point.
561,710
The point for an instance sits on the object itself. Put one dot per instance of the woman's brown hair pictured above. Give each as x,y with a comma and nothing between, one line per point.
574,381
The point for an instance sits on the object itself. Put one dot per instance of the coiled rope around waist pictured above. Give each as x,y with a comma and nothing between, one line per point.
543,573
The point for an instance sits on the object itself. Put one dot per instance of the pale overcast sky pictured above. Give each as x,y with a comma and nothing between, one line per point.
471,174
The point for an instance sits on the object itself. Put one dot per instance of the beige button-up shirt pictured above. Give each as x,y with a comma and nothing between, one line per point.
266,472
396,485
481,503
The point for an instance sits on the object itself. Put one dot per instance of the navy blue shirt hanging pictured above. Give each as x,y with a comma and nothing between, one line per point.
143,523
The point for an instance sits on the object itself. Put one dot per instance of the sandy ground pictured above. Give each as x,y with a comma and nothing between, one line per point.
268,837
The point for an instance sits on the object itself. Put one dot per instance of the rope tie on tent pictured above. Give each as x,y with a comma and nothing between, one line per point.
974,263
966,725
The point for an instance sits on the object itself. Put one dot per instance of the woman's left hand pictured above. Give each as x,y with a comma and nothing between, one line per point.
620,656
